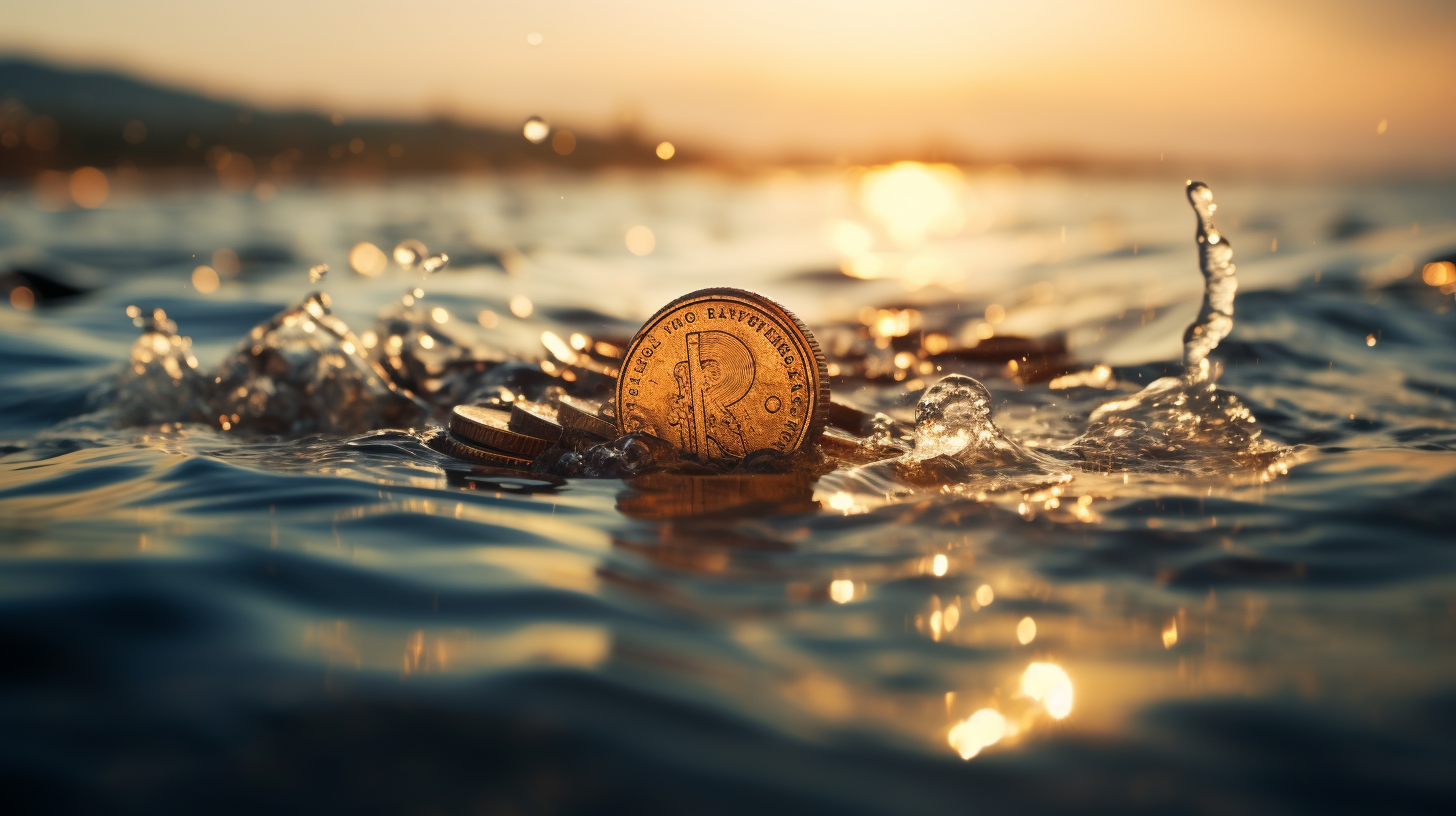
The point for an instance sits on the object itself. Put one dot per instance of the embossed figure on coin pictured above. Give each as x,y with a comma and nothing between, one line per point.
722,373
717,374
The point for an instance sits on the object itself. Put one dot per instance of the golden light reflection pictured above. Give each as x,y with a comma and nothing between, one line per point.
665,151
1026,631
367,259
409,252
89,187
1170,633
890,322
640,240
1049,685
487,319
985,595
521,306
841,501
205,280
913,200
22,298
535,130
558,348
939,565
841,590
977,732
564,142
226,262
439,315
1439,273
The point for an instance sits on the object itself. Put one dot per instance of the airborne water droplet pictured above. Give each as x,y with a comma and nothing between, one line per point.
409,252
317,273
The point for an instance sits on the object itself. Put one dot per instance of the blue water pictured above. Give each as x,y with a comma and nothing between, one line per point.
201,620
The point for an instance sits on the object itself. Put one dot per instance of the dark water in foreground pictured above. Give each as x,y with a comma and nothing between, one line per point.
198,620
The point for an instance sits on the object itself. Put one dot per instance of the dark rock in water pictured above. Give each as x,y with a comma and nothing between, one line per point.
304,372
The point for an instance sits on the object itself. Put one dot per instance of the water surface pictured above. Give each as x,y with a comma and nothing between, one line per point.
199,619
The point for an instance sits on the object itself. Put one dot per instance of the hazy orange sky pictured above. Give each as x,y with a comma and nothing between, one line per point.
1299,83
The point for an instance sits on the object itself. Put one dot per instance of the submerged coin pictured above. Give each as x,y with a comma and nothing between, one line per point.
491,427
451,445
722,373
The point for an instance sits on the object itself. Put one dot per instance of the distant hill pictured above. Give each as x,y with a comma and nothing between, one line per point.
54,118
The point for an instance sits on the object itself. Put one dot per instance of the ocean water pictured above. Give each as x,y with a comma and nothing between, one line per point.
307,608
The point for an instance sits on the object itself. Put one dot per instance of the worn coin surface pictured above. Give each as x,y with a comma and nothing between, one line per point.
491,427
722,373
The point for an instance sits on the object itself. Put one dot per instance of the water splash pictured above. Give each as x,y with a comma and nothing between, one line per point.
1186,424
304,372
1215,259
1177,424
161,382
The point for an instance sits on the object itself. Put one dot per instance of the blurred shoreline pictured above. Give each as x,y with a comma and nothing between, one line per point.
81,135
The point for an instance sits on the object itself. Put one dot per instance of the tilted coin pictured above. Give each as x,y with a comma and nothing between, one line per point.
722,373
582,415
491,427
541,420
535,419
451,445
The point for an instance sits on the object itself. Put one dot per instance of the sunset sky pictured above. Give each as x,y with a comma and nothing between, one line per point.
1301,83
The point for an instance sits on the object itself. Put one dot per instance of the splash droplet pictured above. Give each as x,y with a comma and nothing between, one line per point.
409,252
1216,318
317,273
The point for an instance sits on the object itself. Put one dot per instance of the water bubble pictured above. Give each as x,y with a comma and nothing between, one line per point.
317,273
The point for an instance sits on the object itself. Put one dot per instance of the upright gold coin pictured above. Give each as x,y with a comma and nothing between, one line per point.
722,373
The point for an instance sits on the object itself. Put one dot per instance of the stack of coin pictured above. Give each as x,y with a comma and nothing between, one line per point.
482,435
568,424
511,438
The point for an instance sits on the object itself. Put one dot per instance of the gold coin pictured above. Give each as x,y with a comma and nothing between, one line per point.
722,373
535,419
542,421
491,427
583,416
451,445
